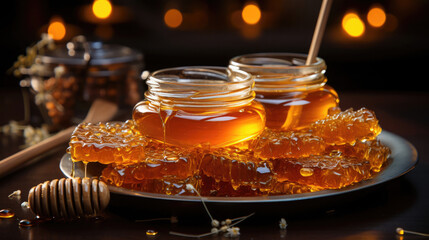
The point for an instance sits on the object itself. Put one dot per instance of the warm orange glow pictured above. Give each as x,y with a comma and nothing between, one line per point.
376,17
173,18
102,8
57,29
251,14
353,25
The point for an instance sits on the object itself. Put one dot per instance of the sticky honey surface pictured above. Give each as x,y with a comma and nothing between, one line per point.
336,151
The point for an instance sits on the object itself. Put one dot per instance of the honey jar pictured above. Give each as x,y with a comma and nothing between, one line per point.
293,94
71,76
197,106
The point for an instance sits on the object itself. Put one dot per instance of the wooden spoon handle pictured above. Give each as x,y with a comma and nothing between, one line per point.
12,162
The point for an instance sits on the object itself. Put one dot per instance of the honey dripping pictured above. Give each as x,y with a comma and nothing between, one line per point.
168,114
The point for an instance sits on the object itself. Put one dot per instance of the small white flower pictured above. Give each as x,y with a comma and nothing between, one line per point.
233,232
215,230
228,221
25,205
215,223
6,129
189,187
59,71
28,132
14,127
16,193
282,223
223,229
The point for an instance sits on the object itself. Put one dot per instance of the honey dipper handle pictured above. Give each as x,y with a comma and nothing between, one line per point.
11,163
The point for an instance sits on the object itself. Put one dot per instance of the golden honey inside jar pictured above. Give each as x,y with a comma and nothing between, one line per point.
293,94
195,106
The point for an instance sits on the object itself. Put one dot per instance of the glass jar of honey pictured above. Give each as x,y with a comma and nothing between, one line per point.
66,79
198,106
294,95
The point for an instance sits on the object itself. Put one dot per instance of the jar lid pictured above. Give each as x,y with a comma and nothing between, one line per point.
100,54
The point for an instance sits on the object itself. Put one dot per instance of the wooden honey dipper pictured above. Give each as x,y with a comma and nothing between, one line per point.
69,198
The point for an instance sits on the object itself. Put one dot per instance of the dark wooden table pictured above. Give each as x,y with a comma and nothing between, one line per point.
402,202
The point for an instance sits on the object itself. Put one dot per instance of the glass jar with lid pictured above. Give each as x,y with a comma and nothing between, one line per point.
294,95
196,106
79,72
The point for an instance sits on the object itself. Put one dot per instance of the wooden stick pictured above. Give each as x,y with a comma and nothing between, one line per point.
318,31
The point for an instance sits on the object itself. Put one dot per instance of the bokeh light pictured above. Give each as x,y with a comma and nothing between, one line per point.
376,17
353,25
251,14
173,18
102,8
57,29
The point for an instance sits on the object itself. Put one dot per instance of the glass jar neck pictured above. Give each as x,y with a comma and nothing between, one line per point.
281,71
209,87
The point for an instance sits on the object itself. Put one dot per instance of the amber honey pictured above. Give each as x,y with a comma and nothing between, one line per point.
239,168
193,127
276,162
294,95
337,129
296,110
195,106
202,126
107,143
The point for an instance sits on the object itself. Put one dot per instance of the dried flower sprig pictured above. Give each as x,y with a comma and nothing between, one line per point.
191,187
282,223
227,225
31,135
401,231
225,228
25,64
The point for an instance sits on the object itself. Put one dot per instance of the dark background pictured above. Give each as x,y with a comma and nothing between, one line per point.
391,58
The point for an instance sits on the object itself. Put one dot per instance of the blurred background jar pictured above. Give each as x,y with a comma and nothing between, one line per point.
293,94
65,79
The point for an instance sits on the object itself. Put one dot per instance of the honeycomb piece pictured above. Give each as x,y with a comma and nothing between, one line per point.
215,188
164,161
290,144
372,151
106,143
322,171
287,187
239,167
211,187
125,177
347,127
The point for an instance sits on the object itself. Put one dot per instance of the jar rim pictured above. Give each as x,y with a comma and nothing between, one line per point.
220,75
281,71
276,61
200,86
